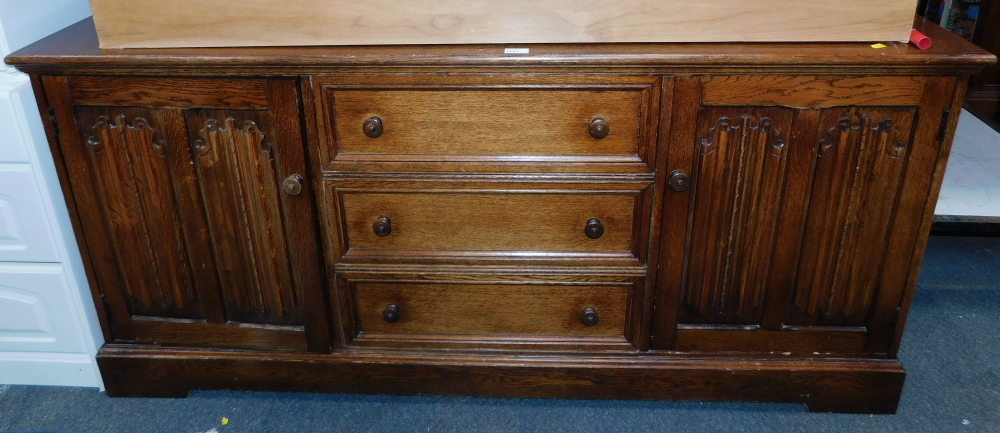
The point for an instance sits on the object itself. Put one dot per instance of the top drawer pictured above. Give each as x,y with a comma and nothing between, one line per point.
496,124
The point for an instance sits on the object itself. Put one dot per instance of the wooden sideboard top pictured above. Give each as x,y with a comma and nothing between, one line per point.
76,47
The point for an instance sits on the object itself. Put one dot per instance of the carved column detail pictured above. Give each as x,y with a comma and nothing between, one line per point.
131,167
738,182
240,184
858,170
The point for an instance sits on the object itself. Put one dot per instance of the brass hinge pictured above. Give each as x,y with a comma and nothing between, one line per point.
943,130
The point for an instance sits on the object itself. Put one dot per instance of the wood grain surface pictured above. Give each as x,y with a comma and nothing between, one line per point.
76,49
750,229
854,386
502,309
810,91
499,221
522,123
212,23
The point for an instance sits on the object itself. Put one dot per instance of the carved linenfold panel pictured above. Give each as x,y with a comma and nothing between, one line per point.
207,153
240,188
856,184
738,182
128,156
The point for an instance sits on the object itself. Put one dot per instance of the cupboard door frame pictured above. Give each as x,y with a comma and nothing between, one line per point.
919,179
276,99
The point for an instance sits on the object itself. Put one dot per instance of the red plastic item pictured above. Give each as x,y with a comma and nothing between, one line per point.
920,40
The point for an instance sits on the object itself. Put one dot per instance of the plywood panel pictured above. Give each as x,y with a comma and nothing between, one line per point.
200,23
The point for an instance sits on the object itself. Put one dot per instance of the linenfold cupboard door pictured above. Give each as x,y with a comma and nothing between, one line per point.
793,209
194,209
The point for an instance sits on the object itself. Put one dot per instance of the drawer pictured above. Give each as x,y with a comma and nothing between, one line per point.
36,310
19,121
512,122
497,313
25,232
421,221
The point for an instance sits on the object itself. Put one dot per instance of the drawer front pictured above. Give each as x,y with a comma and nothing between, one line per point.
519,122
25,235
18,118
36,311
456,313
484,222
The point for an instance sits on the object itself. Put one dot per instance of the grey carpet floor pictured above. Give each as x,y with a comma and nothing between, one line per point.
951,350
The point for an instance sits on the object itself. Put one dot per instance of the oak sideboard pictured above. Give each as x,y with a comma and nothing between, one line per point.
643,221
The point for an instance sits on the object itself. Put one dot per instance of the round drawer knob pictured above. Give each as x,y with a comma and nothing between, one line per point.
594,228
292,185
391,313
372,127
679,181
382,226
599,128
590,317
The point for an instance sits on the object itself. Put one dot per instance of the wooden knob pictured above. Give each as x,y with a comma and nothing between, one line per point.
590,317
382,226
679,181
599,128
594,228
391,313
292,185
372,127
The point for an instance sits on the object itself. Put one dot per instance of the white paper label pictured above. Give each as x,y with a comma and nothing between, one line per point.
515,51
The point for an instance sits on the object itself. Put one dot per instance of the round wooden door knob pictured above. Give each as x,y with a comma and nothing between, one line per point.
594,228
599,128
590,317
382,226
372,127
679,181
391,313
292,185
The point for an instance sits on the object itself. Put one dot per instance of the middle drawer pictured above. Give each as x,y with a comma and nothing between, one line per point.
420,221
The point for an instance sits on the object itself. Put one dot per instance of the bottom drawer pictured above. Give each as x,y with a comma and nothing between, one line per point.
570,315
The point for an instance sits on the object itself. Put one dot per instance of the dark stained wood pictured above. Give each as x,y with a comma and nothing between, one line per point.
489,309
439,123
451,121
810,91
690,221
298,212
851,386
647,302
76,47
675,219
861,153
922,180
234,158
127,151
453,220
791,224
169,93
188,333
792,342
791,213
190,218
739,173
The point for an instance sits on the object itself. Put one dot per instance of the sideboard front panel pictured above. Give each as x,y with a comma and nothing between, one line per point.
185,205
